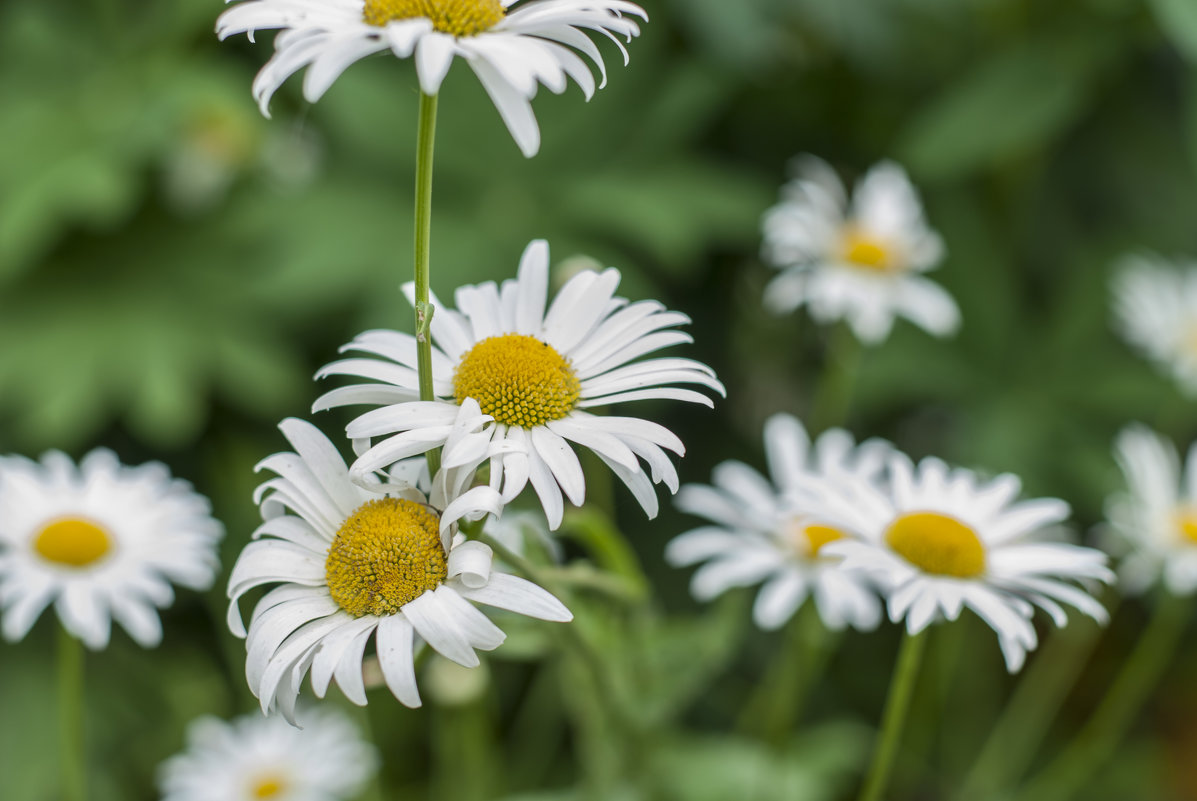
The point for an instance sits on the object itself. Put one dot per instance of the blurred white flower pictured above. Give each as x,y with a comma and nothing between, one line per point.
1155,305
101,541
861,260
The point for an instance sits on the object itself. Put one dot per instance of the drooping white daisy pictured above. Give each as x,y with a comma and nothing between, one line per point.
537,374
101,541
1155,304
861,260
255,757
513,46
1157,519
351,562
769,530
940,539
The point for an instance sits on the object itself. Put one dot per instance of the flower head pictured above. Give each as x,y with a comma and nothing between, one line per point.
1155,304
101,541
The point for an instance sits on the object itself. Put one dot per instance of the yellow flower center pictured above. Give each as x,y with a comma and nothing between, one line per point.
268,787
386,554
808,540
73,541
518,380
937,544
1186,521
865,251
455,17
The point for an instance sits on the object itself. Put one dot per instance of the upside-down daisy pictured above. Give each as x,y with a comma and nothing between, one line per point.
860,260
939,539
351,562
255,757
1155,304
513,46
537,373
771,531
101,541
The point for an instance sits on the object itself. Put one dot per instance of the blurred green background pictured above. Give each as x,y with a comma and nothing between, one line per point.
174,268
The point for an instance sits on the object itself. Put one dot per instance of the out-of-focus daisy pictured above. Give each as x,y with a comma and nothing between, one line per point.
254,758
537,373
1155,304
1157,519
350,563
861,260
101,541
771,532
940,539
511,45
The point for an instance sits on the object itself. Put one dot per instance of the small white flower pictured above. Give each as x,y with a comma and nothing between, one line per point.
511,45
1157,519
351,562
102,542
941,539
860,261
254,758
1155,304
772,532
537,374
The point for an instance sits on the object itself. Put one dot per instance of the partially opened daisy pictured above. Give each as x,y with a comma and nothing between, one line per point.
513,46
767,529
537,373
255,757
858,260
940,539
1155,303
101,541
351,564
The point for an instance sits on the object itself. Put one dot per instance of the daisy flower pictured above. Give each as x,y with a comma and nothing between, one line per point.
538,373
255,757
351,563
1155,305
513,46
940,539
101,541
765,529
860,260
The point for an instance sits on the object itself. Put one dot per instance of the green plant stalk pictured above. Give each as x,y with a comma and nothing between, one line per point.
425,143
897,704
70,716
837,382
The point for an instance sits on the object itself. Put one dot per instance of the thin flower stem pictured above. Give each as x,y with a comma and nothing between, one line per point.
837,382
70,718
1067,773
897,704
425,142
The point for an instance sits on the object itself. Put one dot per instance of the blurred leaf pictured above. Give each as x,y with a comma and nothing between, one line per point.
1178,19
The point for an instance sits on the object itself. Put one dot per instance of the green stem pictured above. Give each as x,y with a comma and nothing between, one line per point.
897,704
425,142
70,718
833,395
1068,772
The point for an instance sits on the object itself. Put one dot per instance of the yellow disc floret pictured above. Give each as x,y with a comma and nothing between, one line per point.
72,541
518,380
1186,522
865,251
386,554
268,787
938,544
454,17
807,539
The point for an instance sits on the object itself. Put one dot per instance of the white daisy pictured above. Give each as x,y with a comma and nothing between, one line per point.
770,531
860,261
941,539
1157,519
512,46
102,541
254,758
537,374
351,562
1155,304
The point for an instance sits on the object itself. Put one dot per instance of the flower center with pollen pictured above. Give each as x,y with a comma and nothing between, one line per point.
518,380
937,544
1186,522
867,252
808,540
386,554
72,541
455,17
268,787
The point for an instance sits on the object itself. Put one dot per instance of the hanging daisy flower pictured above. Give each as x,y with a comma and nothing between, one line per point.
351,563
538,374
941,539
101,541
255,757
513,46
768,530
860,260
1155,304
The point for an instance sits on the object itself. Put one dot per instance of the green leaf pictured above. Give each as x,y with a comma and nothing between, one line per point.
1178,19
